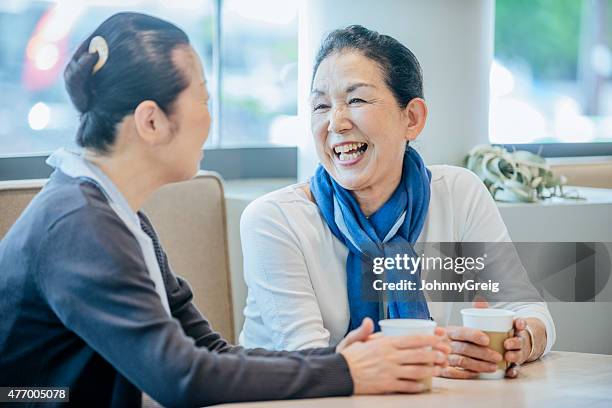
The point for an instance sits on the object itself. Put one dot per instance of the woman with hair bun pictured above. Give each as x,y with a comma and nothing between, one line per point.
87,298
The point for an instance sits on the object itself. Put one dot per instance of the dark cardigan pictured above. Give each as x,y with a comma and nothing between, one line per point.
78,309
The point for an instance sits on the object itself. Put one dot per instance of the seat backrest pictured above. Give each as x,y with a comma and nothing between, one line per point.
190,219
14,198
191,222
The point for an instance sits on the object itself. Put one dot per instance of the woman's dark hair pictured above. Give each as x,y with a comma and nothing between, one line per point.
400,68
139,68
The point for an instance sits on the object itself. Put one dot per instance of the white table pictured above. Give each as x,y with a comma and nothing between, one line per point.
560,379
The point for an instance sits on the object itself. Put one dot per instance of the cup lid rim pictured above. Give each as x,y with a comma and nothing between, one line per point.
488,312
401,322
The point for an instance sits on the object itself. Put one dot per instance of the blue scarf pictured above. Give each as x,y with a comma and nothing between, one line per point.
390,231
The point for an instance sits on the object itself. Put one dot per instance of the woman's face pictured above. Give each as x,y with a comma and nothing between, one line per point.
191,118
360,132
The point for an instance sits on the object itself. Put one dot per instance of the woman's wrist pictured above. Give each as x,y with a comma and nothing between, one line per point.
537,335
530,356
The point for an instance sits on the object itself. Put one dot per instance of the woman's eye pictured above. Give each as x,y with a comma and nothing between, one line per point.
320,107
356,100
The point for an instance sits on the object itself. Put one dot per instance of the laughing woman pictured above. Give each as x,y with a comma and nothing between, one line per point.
303,245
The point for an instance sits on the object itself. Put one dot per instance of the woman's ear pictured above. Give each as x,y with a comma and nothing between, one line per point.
415,115
152,124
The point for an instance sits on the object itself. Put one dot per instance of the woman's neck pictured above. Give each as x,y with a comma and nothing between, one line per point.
370,199
132,177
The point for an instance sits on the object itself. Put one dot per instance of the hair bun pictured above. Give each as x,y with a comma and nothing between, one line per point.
76,77
141,68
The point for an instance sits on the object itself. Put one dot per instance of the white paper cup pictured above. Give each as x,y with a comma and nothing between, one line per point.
409,327
491,321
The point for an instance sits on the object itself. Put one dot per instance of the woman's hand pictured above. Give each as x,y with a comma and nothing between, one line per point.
362,333
380,364
470,355
519,348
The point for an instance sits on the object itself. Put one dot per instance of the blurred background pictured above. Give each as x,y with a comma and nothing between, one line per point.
550,77
249,54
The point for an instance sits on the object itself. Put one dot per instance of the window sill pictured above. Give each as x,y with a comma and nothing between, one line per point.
230,163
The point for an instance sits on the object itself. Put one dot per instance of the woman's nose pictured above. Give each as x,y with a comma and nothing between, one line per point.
339,121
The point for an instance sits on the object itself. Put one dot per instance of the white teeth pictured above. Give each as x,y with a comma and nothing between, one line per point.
351,156
348,147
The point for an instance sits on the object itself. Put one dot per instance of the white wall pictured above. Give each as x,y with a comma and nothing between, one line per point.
453,41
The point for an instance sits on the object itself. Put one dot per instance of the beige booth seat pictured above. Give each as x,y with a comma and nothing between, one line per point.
190,220
586,174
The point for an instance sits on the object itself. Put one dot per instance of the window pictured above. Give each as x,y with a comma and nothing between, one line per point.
551,79
259,72
255,105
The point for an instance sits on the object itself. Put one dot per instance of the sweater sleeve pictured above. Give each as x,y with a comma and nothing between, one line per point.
278,279
481,221
91,271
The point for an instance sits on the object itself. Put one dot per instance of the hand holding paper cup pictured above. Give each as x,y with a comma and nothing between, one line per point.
411,327
497,324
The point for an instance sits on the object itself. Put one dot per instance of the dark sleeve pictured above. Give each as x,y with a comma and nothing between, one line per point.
93,275
195,325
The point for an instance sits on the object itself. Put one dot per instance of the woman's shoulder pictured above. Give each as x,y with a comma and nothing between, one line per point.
455,182
292,201
295,196
69,219
64,196
459,191
443,173
64,203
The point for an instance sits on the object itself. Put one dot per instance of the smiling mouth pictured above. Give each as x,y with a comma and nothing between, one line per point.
350,151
